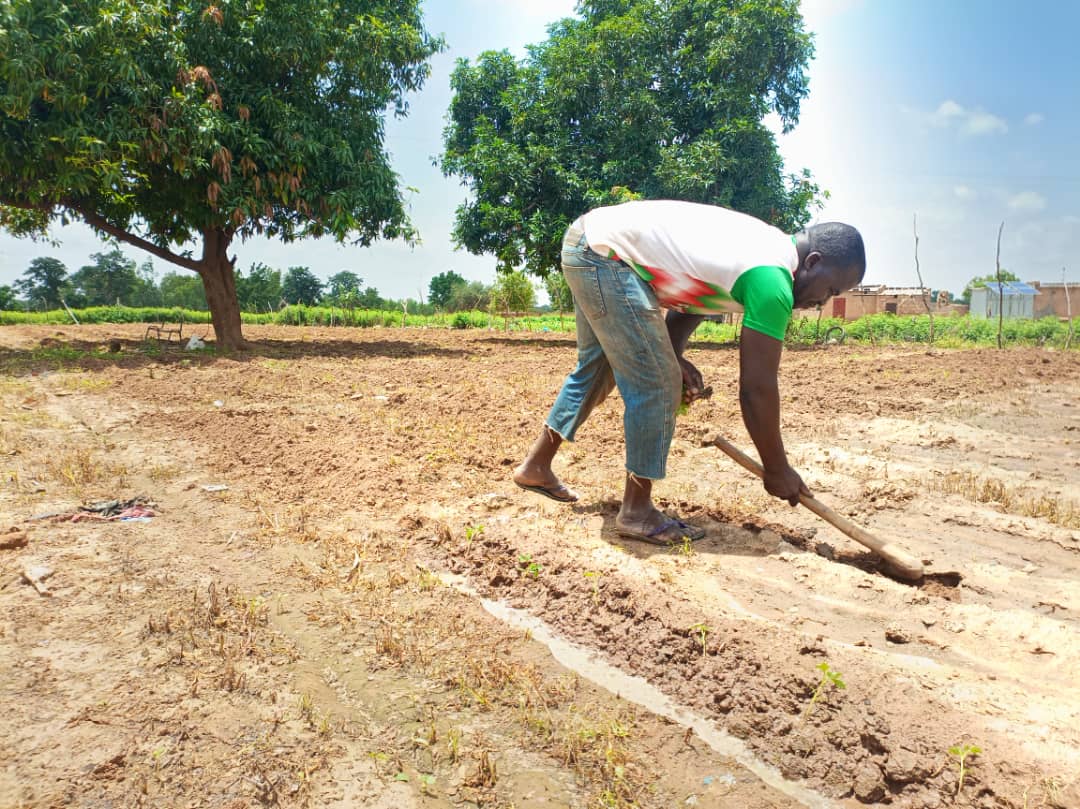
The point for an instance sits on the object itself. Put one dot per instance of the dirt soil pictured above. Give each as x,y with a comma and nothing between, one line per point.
289,640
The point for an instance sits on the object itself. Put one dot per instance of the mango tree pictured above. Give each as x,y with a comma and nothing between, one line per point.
633,98
180,126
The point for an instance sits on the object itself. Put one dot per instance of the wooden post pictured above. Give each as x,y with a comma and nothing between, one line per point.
918,273
1001,288
1068,310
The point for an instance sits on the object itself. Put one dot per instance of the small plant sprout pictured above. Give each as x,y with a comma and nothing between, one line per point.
962,753
471,533
702,631
829,676
685,548
594,577
530,567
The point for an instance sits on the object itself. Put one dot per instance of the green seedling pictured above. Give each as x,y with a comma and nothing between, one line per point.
471,533
530,567
962,753
702,631
594,577
686,547
829,676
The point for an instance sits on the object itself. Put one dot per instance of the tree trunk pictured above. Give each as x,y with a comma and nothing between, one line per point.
219,282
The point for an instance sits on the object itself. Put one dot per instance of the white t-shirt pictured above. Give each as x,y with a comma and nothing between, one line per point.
691,254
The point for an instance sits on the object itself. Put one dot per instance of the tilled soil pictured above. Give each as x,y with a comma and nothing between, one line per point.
966,458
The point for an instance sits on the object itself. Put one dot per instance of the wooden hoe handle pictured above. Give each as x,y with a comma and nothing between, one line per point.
903,564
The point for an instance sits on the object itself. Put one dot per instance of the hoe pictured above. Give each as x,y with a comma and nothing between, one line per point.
897,561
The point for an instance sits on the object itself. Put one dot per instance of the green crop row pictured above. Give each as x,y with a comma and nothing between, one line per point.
882,328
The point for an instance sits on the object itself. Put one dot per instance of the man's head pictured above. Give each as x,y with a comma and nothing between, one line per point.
831,260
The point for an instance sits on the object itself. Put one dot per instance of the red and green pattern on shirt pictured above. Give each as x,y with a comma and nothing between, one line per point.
682,292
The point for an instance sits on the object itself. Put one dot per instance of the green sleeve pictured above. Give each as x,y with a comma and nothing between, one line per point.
767,299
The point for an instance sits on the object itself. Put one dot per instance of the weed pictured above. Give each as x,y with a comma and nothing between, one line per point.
472,532
453,744
594,577
1012,499
685,547
306,706
829,676
702,631
530,567
962,753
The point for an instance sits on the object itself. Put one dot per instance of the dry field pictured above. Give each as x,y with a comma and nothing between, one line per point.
315,634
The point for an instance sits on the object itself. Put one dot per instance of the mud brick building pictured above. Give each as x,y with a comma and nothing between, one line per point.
1052,300
882,299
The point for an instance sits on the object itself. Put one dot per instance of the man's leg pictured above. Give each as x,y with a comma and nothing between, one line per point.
635,341
587,386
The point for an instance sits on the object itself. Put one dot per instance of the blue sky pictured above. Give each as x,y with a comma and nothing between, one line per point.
965,112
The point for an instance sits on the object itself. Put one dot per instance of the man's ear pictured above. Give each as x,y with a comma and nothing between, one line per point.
812,259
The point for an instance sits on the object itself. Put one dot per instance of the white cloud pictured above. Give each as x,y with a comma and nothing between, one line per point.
973,121
1027,201
1034,118
965,193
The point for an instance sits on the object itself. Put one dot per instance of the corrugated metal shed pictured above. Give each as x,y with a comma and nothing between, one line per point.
1017,300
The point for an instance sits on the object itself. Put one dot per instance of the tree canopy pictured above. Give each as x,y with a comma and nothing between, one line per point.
300,285
167,122
636,98
441,288
43,282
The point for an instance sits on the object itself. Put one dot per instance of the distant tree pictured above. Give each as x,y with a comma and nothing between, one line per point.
370,299
7,298
111,277
513,292
175,121
146,292
42,284
185,291
260,289
650,98
468,296
344,286
562,299
301,286
441,288
983,280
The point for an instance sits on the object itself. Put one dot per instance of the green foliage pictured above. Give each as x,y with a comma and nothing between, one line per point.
165,121
43,283
182,290
562,299
513,292
962,753
259,290
829,676
343,288
441,288
637,98
983,280
469,296
7,297
301,286
110,277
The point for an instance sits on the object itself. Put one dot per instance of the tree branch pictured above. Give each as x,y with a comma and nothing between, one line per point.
99,222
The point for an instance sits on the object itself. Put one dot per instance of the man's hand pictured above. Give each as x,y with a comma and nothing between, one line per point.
785,484
693,386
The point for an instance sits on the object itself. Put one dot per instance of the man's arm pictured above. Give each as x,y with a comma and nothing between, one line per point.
680,326
759,396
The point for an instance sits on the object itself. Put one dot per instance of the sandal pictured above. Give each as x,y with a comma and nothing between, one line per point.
669,525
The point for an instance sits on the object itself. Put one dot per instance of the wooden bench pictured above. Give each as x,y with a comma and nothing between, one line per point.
165,332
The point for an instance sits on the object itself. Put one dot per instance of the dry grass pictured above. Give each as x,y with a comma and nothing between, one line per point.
1017,500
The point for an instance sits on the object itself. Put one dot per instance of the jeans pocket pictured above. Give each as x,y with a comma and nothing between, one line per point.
584,283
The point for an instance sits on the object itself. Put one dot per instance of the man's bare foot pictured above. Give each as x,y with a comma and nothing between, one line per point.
545,483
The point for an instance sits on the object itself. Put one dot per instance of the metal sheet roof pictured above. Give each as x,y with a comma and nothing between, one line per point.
1012,288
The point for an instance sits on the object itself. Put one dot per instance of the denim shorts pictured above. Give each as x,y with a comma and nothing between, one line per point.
622,341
